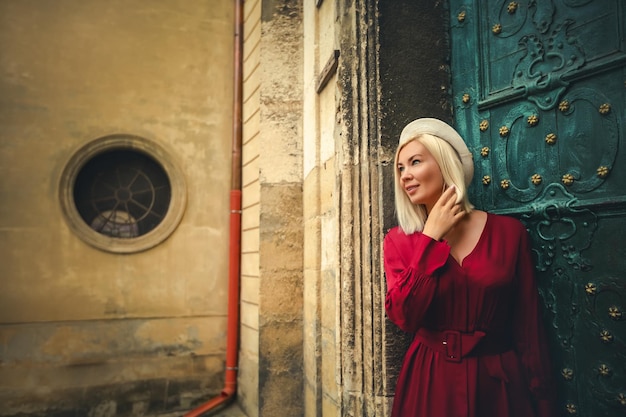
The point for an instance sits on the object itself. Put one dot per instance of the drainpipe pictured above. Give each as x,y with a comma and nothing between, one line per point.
229,391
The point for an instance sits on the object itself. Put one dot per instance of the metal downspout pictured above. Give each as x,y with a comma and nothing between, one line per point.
229,391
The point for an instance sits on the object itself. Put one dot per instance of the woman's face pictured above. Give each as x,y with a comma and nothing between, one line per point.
420,175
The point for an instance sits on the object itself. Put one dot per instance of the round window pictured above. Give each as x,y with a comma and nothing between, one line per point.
122,193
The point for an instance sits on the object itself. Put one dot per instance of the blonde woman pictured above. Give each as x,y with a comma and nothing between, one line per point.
462,281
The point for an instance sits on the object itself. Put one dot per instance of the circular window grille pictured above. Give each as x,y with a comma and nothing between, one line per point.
122,193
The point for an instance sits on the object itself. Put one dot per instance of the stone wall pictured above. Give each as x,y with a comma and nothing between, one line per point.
391,68
270,382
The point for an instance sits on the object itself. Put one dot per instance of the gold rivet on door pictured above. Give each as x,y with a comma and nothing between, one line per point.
496,29
567,179
484,152
461,16
605,108
512,7
504,131
567,373
571,408
536,179
604,370
486,180
615,313
484,125
621,397
564,106
466,98
550,138
591,288
532,120
505,184
602,171
606,336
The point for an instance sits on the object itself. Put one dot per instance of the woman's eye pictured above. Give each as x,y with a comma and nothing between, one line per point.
400,169
415,162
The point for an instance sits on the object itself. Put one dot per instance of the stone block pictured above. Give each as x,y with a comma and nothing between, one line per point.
250,264
249,314
249,343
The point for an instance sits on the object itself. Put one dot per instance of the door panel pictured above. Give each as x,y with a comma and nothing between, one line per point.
539,91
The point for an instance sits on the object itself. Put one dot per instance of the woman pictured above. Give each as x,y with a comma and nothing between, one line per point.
462,281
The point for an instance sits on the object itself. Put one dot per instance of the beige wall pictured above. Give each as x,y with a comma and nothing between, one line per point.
83,326
80,326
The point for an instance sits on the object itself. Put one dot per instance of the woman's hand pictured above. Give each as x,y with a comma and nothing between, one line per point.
444,215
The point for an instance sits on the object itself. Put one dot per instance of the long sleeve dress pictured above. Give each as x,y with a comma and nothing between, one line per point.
479,348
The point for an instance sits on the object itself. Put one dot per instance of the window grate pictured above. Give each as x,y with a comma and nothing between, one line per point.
122,193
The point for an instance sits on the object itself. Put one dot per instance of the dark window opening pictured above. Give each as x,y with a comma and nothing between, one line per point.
122,194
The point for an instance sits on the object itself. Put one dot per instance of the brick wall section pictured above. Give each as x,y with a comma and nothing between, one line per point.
248,381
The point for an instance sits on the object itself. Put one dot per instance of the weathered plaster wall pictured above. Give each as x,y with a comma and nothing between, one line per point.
81,328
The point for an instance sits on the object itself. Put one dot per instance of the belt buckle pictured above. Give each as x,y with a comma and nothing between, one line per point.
452,345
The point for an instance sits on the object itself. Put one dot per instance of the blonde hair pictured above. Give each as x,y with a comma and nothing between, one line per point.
411,217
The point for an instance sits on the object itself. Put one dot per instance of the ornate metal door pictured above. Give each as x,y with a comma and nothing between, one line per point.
539,91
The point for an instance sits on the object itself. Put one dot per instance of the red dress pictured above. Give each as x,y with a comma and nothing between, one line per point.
478,349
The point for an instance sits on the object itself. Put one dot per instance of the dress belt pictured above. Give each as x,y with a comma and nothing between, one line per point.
456,345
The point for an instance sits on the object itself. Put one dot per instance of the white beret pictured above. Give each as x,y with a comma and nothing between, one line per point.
443,131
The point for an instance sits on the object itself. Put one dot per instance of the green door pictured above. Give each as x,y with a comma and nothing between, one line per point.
539,91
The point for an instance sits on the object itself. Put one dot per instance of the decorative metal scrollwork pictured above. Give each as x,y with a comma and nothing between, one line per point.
557,225
541,71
